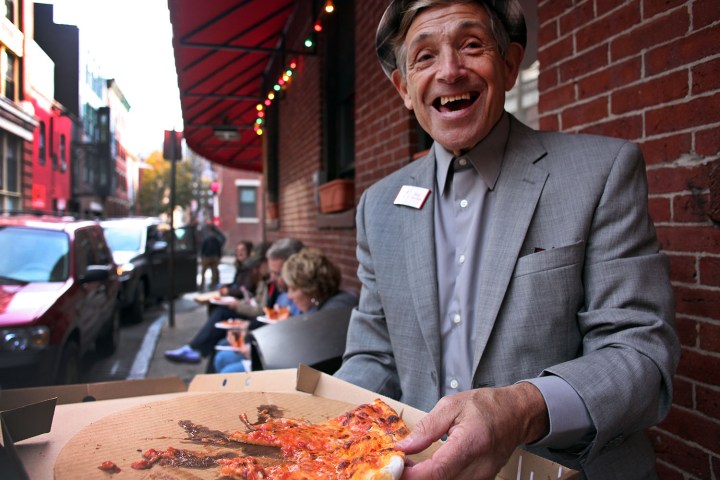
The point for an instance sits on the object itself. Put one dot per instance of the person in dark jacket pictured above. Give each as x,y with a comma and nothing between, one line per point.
212,242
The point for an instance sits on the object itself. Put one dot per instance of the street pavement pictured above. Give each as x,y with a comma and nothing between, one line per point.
142,345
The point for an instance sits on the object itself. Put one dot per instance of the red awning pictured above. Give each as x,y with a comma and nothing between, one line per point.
226,55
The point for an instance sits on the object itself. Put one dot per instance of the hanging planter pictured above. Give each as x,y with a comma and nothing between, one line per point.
337,195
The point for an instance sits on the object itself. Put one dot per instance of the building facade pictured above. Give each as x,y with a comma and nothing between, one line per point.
17,116
97,108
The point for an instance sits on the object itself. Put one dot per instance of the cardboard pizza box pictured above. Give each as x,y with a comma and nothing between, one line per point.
145,414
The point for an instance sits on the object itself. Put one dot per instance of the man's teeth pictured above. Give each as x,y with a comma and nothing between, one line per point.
446,100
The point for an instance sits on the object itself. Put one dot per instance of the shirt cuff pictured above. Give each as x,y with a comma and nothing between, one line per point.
569,418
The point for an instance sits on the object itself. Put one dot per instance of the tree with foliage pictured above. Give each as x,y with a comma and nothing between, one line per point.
154,192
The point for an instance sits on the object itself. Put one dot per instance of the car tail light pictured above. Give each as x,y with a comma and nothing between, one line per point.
22,339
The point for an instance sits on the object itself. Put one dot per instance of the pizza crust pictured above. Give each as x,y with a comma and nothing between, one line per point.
393,470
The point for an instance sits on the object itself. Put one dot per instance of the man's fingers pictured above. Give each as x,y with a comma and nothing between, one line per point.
447,462
428,430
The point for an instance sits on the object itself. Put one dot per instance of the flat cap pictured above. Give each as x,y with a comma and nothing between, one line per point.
509,12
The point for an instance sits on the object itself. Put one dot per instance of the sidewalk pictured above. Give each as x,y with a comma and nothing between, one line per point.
189,317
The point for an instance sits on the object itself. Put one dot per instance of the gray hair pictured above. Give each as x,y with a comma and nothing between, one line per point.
283,248
497,28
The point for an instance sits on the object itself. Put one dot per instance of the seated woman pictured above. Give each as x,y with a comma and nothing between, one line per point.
313,283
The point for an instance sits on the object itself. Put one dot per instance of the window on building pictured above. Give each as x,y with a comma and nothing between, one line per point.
42,142
339,115
9,172
10,10
63,152
247,202
271,139
522,100
10,71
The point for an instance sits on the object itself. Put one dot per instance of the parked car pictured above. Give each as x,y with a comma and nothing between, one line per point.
58,291
141,248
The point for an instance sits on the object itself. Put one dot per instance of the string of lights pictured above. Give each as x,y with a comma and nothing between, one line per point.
287,74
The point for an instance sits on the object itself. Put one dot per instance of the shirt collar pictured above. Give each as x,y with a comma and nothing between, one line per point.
486,157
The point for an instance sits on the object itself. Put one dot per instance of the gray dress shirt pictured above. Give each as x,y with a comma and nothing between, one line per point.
459,216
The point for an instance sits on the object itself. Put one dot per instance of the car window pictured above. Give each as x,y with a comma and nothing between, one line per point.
124,237
34,255
185,239
101,255
83,252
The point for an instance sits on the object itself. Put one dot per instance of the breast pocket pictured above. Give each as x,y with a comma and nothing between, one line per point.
550,259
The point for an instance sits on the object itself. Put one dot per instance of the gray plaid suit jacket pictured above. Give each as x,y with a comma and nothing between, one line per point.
595,307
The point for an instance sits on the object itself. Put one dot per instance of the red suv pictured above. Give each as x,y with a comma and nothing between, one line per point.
58,292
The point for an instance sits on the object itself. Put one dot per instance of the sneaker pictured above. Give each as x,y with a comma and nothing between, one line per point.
184,354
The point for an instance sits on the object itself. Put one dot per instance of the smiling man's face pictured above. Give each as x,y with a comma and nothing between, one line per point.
456,78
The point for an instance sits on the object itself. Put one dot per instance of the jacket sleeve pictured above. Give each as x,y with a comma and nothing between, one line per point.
630,349
368,360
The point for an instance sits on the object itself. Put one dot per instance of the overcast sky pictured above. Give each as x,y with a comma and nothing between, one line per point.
133,44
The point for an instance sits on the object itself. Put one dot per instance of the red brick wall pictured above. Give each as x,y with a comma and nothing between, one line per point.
649,71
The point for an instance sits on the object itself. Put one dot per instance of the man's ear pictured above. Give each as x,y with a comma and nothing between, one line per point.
513,59
400,84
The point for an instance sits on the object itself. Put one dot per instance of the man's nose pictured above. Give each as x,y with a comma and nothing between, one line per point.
450,66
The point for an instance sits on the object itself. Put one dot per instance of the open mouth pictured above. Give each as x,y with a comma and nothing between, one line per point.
453,103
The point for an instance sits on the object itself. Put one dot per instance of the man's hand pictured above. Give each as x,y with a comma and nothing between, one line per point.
484,426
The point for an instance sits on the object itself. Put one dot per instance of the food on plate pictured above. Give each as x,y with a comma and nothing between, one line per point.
277,313
233,324
358,444
110,467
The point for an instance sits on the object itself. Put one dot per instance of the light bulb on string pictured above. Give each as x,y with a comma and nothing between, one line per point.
318,26
310,41
329,6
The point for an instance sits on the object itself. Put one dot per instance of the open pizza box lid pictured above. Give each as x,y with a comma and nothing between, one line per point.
129,417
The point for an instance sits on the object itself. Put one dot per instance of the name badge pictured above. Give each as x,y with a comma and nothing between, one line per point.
411,196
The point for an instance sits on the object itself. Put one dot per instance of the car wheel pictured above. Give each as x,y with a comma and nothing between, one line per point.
69,368
135,312
108,341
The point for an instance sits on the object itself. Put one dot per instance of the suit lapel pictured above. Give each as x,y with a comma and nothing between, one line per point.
514,200
420,256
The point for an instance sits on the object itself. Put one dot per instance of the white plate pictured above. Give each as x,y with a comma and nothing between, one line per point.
225,325
226,300
264,319
227,347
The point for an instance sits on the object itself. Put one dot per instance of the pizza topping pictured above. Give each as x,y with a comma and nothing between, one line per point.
199,433
176,457
357,445
109,467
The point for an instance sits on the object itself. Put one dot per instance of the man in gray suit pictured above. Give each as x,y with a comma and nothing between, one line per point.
512,283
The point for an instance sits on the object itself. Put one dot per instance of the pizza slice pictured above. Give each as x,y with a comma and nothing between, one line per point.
357,445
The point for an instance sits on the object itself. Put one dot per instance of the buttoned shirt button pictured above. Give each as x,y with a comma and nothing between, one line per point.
462,162
461,260
456,318
463,203
454,384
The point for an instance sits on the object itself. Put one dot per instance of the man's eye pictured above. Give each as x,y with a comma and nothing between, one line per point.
423,57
